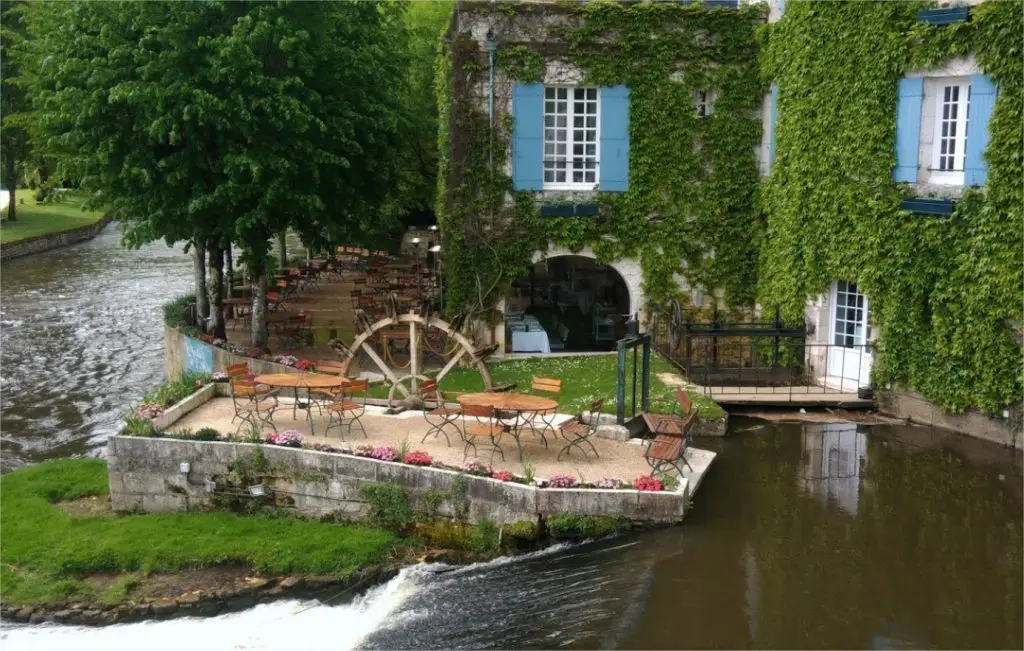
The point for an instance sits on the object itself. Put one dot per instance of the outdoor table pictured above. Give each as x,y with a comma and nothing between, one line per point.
296,381
510,402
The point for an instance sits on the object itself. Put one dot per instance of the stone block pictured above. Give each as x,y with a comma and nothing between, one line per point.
662,506
551,501
614,432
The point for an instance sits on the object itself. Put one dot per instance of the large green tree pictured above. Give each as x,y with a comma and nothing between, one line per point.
14,142
221,122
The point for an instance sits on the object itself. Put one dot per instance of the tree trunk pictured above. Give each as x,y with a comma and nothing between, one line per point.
12,214
230,264
284,249
217,292
199,268
260,338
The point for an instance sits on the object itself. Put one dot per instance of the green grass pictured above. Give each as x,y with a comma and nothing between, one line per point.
62,214
47,552
585,378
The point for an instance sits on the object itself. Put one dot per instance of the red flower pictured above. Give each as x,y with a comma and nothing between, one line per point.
418,458
303,364
647,483
502,476
207,338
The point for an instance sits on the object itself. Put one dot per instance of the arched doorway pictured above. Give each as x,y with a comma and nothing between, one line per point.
567,303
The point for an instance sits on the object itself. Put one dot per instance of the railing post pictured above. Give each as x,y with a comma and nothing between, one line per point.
778,327
645,378
633,410
620,390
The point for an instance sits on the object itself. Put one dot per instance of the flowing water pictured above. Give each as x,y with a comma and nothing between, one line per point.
802,536
81,340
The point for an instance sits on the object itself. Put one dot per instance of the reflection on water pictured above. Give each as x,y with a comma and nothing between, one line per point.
81,332
834,455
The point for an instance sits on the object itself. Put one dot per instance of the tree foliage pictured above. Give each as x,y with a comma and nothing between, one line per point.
218,122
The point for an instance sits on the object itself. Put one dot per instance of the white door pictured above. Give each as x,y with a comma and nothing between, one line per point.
849,356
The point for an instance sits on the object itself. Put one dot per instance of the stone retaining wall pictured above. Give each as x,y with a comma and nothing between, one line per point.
146,475
175,357
912,406
40,243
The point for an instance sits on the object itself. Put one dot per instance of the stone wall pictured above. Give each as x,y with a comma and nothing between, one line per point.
175,358
910,405
146,475
40,243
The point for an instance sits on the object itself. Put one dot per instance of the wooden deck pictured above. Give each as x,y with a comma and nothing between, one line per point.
797,396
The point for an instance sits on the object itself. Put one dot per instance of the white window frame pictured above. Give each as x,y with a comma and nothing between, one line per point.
954,176
703,103
569,184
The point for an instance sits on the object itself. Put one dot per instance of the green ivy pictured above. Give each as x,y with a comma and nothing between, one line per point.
945,293
691,204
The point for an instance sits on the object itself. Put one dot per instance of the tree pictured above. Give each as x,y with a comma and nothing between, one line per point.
222,122
14,141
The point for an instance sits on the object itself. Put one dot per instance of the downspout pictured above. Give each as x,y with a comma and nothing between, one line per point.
491,46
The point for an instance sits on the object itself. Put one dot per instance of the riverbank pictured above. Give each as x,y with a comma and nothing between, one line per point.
45,226
66,557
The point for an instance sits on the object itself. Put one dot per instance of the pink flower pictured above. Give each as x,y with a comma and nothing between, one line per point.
290,438
385,453
647,483
303,364
562,481
474,467
418,458
610,482
502,476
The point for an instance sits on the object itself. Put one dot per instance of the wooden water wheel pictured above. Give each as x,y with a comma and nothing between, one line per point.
405,388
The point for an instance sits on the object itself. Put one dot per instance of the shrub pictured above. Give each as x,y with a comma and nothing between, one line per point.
572,525
502,476
137,426
522,530
385,453
204,434
290,438
176,311
323,447
485,534
418,458
669,481
529,473
610,482
562,481
389,506
474,467
647,483
432,499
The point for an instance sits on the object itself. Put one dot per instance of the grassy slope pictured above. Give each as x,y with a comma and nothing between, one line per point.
42,219
45,550
585,378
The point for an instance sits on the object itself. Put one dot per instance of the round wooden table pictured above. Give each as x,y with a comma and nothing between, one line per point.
510,402
296,381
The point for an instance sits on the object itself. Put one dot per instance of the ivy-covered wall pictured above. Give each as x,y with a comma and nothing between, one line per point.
691,204
946,293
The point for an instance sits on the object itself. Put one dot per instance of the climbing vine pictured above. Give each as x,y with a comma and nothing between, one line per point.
945,292
691,204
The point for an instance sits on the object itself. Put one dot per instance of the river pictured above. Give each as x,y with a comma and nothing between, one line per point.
802,536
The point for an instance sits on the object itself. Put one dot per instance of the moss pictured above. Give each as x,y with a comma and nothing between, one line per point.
525,530
574,526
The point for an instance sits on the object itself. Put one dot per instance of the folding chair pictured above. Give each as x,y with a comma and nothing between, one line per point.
578,431
441,416
348,407
483,425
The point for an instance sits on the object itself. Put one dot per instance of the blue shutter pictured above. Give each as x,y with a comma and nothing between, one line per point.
528,136
983,97
908,129
774,119
614,163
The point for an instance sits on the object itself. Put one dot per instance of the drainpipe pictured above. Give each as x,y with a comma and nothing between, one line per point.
490,46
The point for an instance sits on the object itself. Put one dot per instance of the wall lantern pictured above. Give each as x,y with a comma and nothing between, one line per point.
435,249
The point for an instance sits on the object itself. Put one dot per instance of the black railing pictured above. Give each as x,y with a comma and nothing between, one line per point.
758,357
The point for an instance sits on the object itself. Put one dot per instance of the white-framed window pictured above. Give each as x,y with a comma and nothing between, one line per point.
952,109
571,137
702,103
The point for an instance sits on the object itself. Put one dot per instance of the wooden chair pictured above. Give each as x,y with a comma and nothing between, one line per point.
441,416
274,301
252,405
671,423
668,449
348,407
578,431
478,423
543,385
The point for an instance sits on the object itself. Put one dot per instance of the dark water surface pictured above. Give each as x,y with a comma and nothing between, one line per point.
81,339
803,536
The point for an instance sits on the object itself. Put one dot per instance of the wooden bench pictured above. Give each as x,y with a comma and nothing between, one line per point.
672,435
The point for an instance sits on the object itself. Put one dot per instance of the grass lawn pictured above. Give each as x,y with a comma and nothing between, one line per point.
585,378
46,551
33,219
